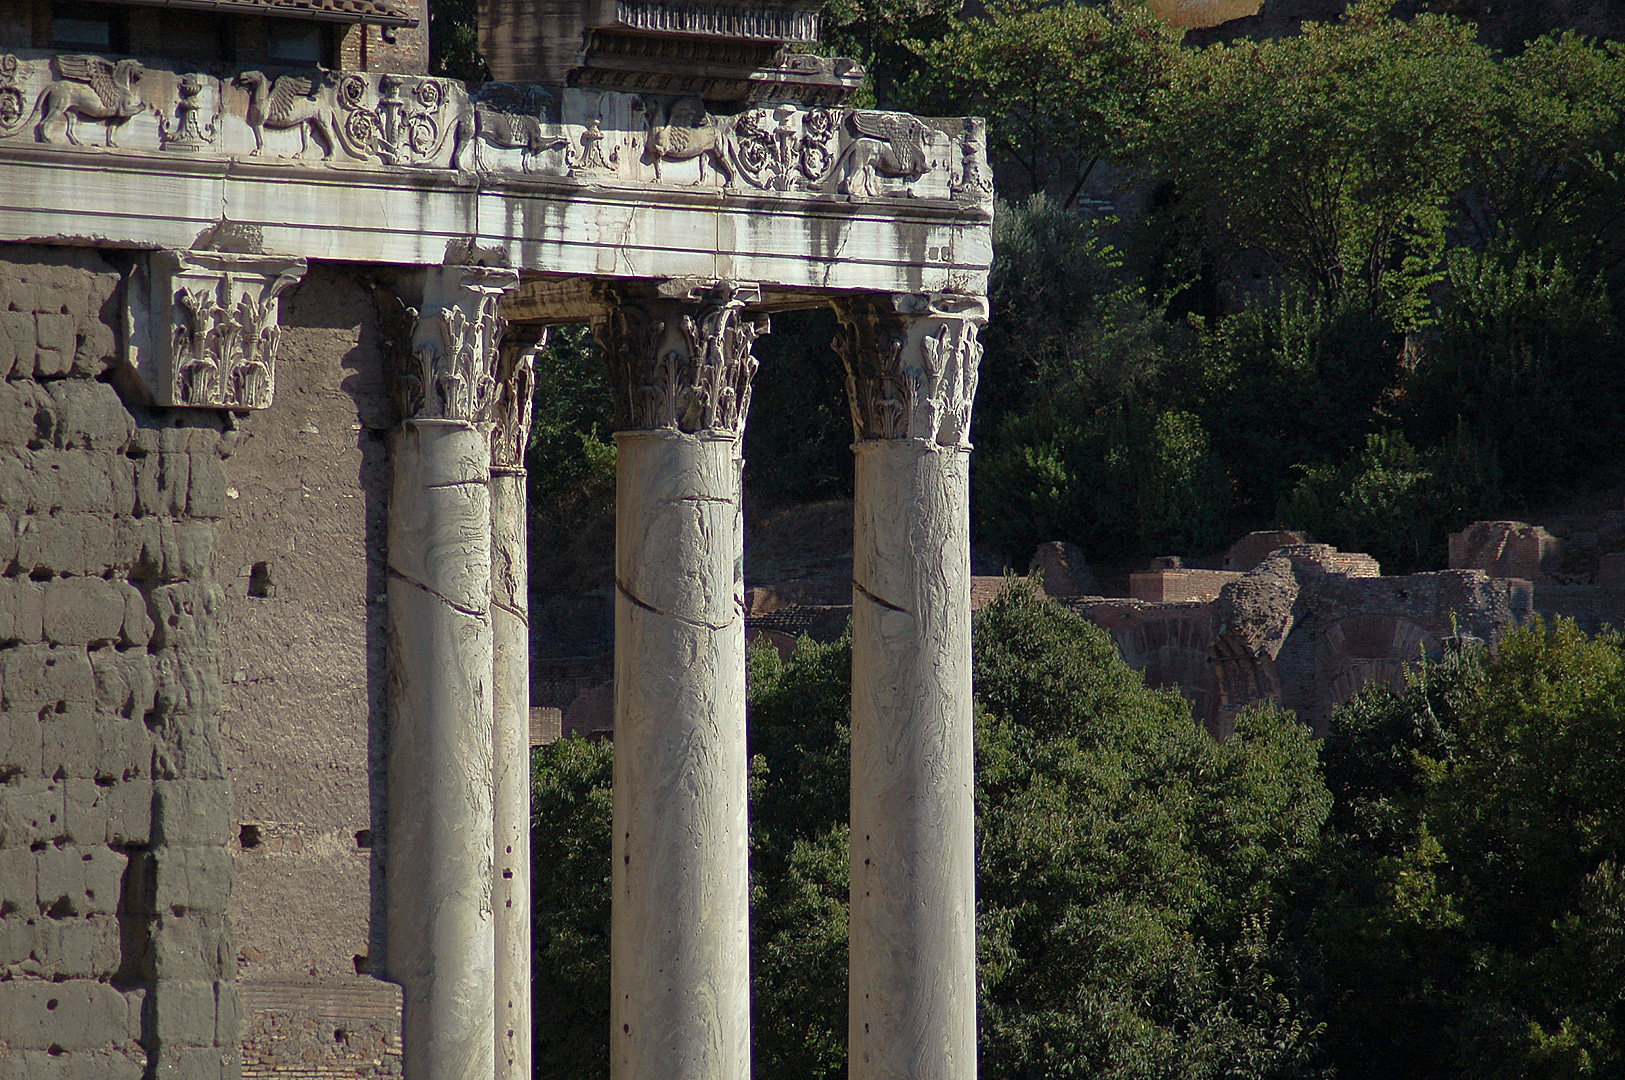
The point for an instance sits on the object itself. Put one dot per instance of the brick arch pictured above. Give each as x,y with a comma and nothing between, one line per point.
1173,652
1243,677
1368,647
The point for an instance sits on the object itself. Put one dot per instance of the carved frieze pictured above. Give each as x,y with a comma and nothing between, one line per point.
663,135
450,371
682,364
202,327
911,366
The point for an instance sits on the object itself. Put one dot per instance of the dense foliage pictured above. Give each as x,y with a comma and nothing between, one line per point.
1367,280
1129,869
1472,909
1434,892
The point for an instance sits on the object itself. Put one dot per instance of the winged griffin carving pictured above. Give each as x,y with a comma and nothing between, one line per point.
292,101
887,144
88,87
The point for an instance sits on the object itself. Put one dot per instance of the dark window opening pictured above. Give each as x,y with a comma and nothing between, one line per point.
292,42
89,28
197,36
249,837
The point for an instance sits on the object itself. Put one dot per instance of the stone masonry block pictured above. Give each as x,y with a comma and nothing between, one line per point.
8,539
20,744
65,543
189,946
85,805
49,363
160,484
71,743
191,878
21,610
82,611
136,627
19,484
85,1065
184,1013
227,1012
22,295
77,480
192,811
79,1014
198,1063
88,415
122,681
16,938
17,879
18,413
75,948
35,676
54,331
17,343
126,748
129,812
206,492
31,810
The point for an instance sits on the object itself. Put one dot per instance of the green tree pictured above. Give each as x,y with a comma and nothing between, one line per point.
1064,86
1129,868
1471,911
1336,152
570,464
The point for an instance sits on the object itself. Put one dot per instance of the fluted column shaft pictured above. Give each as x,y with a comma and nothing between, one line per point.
911,377
439,858
679,943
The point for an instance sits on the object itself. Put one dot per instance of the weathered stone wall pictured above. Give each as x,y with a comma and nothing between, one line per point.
115,953
302,634
191,657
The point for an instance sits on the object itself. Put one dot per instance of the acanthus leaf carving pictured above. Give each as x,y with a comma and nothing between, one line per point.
912,367
449,373
204,327
516,392
682,365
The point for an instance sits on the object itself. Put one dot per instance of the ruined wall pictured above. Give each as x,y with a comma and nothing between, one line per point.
190,698
302,636
115,952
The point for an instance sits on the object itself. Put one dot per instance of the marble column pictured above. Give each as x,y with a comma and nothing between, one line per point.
680,368
439,859
510,625
911,377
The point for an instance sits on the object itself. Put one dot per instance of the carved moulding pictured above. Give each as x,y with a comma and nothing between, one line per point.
682,363
911,365
202,327
449,370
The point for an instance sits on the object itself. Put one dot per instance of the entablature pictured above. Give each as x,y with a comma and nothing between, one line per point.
401,169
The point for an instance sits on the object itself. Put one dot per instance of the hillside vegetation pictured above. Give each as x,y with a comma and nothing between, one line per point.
1433,892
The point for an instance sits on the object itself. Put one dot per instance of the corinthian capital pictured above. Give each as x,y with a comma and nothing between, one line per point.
683,364
911,365
450,373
